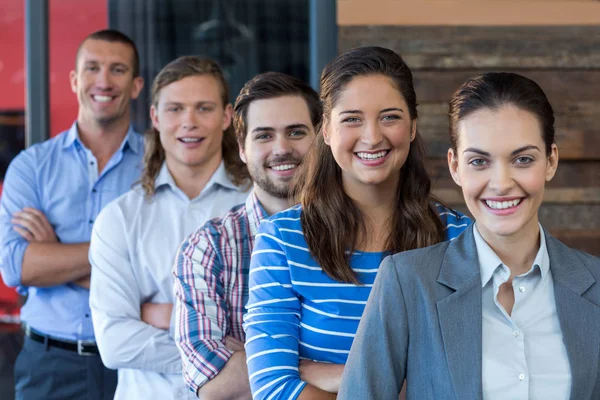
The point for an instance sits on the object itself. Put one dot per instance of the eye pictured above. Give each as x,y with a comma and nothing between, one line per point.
92,68
351,120
390,117
173,109
205,108
119,70
297,133
478,162
524,160
262,136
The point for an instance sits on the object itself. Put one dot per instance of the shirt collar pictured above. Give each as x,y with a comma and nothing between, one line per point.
133,140
255,211
219,177
489,262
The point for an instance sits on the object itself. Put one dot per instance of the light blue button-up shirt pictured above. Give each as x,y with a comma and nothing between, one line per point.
524,356
60,178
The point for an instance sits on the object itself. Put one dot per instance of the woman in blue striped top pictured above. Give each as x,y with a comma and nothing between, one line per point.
364,193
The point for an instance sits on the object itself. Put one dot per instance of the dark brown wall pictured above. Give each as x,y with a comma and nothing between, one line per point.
563,60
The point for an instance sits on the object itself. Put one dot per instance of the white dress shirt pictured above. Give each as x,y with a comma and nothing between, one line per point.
524,356
132,250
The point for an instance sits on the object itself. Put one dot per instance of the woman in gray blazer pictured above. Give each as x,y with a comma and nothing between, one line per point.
504,311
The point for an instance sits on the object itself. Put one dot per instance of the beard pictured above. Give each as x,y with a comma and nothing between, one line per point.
281,189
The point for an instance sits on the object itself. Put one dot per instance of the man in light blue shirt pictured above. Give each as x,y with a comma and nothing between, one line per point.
53,192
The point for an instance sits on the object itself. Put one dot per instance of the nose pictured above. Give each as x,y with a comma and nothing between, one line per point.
103,80
501,181
189,120
281,146
372,134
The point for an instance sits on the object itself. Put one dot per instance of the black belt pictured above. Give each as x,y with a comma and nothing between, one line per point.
81,347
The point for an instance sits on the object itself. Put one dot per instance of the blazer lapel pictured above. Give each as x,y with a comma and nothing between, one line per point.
460,315
579,318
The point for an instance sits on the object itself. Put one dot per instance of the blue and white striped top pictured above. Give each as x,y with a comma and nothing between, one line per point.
296,311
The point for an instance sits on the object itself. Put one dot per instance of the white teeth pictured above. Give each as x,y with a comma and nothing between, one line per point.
190,140
283,167
371,156
102,99
501,205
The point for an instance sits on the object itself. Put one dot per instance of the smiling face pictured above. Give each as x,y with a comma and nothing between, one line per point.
190,117
280,133
103,82
369,132
502,166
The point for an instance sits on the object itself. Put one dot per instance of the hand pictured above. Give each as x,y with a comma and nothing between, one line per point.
324,376
157,314
33,226
233,344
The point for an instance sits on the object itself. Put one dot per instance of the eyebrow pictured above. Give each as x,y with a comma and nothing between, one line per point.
382,111
271,129
199,103
513,153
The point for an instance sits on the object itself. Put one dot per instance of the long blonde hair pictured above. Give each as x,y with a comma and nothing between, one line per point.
154,153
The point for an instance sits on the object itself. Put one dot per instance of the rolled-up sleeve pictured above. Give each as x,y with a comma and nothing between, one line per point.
201,309
124,340
19,191
272,323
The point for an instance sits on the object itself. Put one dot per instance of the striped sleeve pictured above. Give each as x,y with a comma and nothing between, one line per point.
201,309
272,321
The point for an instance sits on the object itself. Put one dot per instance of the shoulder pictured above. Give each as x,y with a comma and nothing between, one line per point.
419,263
591,262
289,218
213,230
37,155
125,206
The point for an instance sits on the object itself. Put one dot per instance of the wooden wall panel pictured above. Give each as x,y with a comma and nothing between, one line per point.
563,60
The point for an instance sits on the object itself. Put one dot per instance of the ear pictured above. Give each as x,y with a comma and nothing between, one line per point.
325,131
453,166
227,114
552,163
73,80
136,88
154,117
413,130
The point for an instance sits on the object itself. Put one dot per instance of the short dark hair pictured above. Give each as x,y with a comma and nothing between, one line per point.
492,90
267,86
113,35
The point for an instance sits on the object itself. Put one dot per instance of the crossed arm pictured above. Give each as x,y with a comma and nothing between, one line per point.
32,255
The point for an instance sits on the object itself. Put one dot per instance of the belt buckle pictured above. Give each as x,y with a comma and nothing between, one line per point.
81,351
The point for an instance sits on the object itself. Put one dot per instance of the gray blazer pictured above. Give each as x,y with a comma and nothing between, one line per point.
423,324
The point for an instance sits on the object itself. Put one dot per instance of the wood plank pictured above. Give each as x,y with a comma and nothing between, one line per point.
468,12
570,174
577,130
484,47
561,86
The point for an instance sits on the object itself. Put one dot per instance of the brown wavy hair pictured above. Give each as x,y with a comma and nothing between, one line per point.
154,153
332,223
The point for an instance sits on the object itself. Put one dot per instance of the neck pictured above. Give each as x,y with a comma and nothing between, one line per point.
192,179
103,140
376,203
270,203
516,251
